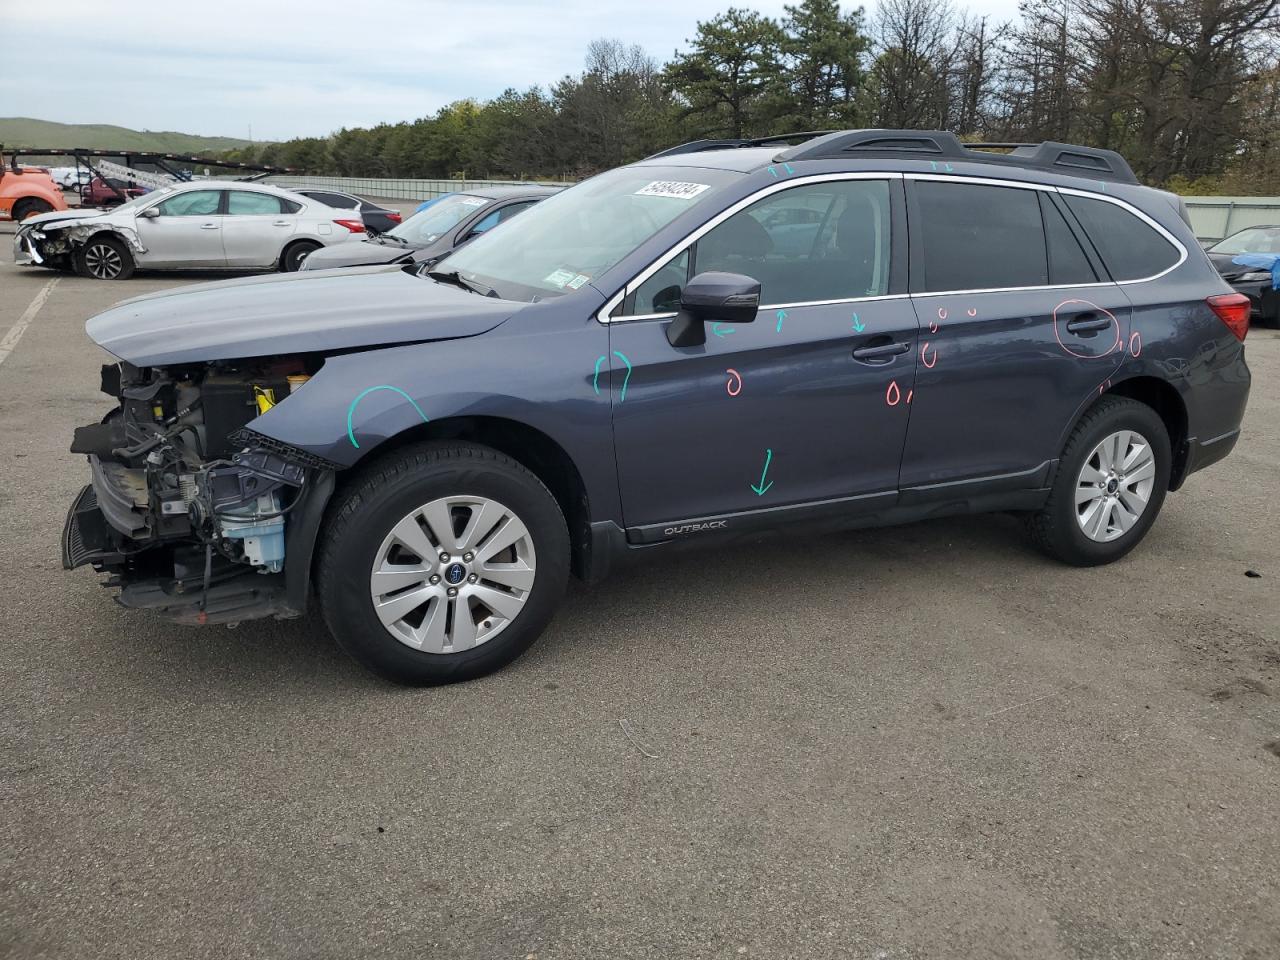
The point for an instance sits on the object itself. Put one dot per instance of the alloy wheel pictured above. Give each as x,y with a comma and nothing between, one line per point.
453,574
1114,485
103,261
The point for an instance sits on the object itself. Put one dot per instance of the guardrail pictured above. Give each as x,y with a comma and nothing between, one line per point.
398,189
1213,218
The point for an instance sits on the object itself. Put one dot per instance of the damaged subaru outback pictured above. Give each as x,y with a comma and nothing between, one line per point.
855,329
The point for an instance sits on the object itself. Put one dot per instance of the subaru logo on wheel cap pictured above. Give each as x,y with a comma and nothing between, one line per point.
456,573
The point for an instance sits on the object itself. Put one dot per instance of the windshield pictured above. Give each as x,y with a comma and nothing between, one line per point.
442,216
570,238
1254,240
139,200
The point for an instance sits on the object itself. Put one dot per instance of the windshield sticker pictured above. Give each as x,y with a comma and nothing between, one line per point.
560,278
473,201
577,281
672,188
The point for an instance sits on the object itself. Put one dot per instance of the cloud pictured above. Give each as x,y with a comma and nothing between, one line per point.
288,69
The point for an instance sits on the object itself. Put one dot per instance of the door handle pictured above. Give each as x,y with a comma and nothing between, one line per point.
1087,323
280,223
881,353
208,226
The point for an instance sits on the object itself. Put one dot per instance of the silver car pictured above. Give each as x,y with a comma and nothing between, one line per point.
201,225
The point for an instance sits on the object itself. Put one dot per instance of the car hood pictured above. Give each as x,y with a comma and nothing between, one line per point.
355,254
292,313
63,218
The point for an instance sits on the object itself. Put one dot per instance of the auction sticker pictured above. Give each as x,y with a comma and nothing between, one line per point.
675,189
473,201
559,278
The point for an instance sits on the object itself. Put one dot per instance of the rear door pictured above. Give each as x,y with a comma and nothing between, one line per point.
805,407
187,232
256,228
1020,327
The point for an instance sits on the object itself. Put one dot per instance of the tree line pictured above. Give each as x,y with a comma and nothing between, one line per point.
1187,90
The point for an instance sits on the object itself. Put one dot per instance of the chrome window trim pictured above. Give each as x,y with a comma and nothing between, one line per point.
602,315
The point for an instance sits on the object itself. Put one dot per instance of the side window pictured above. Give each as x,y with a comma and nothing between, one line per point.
1067,261
1130,249
975,237
246,203
193,203
337,200
511,209
486,223
824,241
661,292
289,206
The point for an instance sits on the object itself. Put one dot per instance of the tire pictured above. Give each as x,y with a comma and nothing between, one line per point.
294,254
1059,528
395,493
29,207
104,257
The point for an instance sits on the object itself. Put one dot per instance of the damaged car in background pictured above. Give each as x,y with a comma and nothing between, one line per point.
189,226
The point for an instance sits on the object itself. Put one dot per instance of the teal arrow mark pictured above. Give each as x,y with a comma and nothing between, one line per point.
787,167
715,328
763,487
858,325
782,315
773,173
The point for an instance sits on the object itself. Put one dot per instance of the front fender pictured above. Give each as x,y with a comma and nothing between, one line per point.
541,372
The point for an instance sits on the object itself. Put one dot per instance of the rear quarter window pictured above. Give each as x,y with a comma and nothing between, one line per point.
1130,248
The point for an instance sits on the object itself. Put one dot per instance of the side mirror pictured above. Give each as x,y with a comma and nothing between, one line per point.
150,213
713,297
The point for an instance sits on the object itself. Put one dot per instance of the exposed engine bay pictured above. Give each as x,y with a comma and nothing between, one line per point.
185,503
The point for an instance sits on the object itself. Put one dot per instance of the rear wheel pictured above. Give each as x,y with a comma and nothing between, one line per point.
1110,485
30,207
104,257
443,563
294,254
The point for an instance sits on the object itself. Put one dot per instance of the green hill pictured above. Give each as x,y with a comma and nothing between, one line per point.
26,132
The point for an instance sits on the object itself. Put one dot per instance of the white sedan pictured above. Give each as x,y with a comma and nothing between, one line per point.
202,225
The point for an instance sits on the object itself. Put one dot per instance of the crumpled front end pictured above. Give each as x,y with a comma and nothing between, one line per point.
189,511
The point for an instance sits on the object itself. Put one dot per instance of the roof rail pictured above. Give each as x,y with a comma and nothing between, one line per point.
1056,157
697,146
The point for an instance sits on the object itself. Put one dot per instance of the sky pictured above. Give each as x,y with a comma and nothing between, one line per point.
282,70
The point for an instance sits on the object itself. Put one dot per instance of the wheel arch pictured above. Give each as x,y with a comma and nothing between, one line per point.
533,449
294,242
1161,397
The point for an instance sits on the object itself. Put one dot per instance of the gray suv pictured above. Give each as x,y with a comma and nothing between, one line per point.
858,328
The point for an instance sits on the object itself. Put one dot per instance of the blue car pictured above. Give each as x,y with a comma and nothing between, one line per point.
731,337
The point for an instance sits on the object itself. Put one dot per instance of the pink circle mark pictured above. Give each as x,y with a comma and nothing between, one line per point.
892,395
942,313
933,326
1115,325
972,312
910,393
733,375
924,348
1135,343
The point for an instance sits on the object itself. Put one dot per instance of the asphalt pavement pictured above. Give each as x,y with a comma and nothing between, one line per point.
922,742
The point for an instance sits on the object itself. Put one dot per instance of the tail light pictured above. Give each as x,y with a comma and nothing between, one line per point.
355,226
393,217
1233,310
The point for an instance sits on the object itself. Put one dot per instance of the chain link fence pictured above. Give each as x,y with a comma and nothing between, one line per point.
398,189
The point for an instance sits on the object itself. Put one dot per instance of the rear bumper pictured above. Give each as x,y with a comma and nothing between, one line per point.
1201,454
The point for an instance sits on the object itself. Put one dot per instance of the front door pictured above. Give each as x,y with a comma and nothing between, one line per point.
808,405
1019,329
187,232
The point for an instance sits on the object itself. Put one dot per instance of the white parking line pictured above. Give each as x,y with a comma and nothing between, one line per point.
18,329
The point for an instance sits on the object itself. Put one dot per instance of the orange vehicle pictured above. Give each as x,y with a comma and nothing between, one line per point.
26,192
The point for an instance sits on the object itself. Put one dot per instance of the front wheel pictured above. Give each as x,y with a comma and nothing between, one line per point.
1110,485
443,563
30,207
104,258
